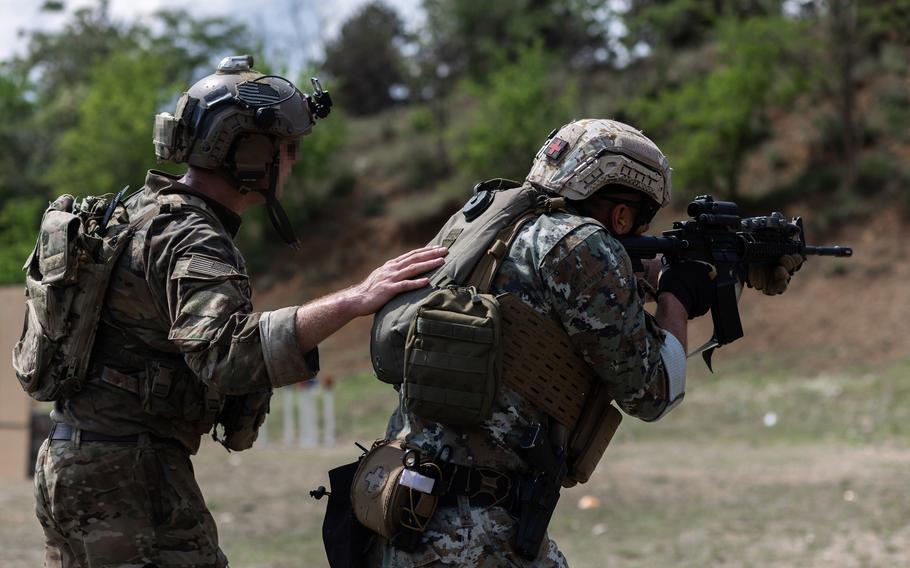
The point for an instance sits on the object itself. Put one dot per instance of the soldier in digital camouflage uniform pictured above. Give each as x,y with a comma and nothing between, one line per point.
179,348
568,266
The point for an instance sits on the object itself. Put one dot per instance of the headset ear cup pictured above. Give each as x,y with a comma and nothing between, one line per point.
249,158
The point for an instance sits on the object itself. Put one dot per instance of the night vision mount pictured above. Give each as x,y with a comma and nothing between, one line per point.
320,101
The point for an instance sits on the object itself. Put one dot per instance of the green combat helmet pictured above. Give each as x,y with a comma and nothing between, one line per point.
234,122
585,155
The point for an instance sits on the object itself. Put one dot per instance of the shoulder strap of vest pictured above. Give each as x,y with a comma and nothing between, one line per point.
141,220
175,201
487,267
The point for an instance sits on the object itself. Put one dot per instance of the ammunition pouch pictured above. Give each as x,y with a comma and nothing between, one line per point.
453,359
174,392
395,492
166,387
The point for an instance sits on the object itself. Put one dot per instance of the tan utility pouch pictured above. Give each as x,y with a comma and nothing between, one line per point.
383,494
453,359
592,434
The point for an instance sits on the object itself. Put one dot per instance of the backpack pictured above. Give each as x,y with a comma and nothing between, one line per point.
66,280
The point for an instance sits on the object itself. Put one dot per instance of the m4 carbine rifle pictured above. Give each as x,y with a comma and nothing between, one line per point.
718,235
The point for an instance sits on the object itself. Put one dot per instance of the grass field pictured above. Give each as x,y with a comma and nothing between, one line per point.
781,470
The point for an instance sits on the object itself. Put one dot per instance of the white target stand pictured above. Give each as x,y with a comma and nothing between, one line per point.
300,415
328,411
307,417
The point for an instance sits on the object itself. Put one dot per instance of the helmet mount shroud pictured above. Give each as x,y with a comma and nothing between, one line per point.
234,122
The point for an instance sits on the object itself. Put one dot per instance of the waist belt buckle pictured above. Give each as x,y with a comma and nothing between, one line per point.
161,377
213,402
493,484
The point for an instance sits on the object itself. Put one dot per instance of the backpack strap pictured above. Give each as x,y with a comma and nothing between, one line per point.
141,220
487,267
175,201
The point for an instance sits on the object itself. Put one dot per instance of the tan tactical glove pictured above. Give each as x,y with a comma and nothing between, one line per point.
773,279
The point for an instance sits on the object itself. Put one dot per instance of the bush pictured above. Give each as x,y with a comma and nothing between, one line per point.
19,219
513,114
708,124
874,173
422,121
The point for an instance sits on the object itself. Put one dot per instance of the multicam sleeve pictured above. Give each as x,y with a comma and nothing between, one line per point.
212,321
594,292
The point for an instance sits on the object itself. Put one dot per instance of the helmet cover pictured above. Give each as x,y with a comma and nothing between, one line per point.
585,155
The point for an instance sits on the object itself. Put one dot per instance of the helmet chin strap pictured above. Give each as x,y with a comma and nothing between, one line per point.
276,212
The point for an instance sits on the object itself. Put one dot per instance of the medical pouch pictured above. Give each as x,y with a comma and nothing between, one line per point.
383,498
453,360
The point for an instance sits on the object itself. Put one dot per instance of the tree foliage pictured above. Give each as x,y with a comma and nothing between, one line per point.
76,110
471,37
365,59
708,124
514,111
111,143
704,79
679,24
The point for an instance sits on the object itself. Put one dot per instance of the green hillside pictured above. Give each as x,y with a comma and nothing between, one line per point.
784,105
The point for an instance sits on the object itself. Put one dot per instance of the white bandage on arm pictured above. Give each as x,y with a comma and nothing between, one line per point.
674,358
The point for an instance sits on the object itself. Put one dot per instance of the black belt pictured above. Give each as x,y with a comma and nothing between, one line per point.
63,431
483,486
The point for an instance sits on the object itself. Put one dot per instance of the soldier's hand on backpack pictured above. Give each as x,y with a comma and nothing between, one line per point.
396,276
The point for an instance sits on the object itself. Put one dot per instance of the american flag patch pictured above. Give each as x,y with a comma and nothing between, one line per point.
257,94
205,266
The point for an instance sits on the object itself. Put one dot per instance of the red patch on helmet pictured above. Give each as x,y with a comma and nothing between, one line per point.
556,148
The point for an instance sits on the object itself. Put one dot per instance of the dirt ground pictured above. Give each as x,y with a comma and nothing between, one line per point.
660,504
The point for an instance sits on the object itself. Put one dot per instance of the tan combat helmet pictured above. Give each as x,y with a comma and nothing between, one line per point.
585,155
234,122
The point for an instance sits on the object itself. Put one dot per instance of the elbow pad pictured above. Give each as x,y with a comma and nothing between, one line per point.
674,359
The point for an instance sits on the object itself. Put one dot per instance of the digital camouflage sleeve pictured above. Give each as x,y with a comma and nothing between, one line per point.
570,268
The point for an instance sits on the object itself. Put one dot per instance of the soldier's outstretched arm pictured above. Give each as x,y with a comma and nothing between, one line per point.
321,318
226,344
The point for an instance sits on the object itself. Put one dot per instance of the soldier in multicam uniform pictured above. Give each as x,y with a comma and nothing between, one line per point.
569,266
179,348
